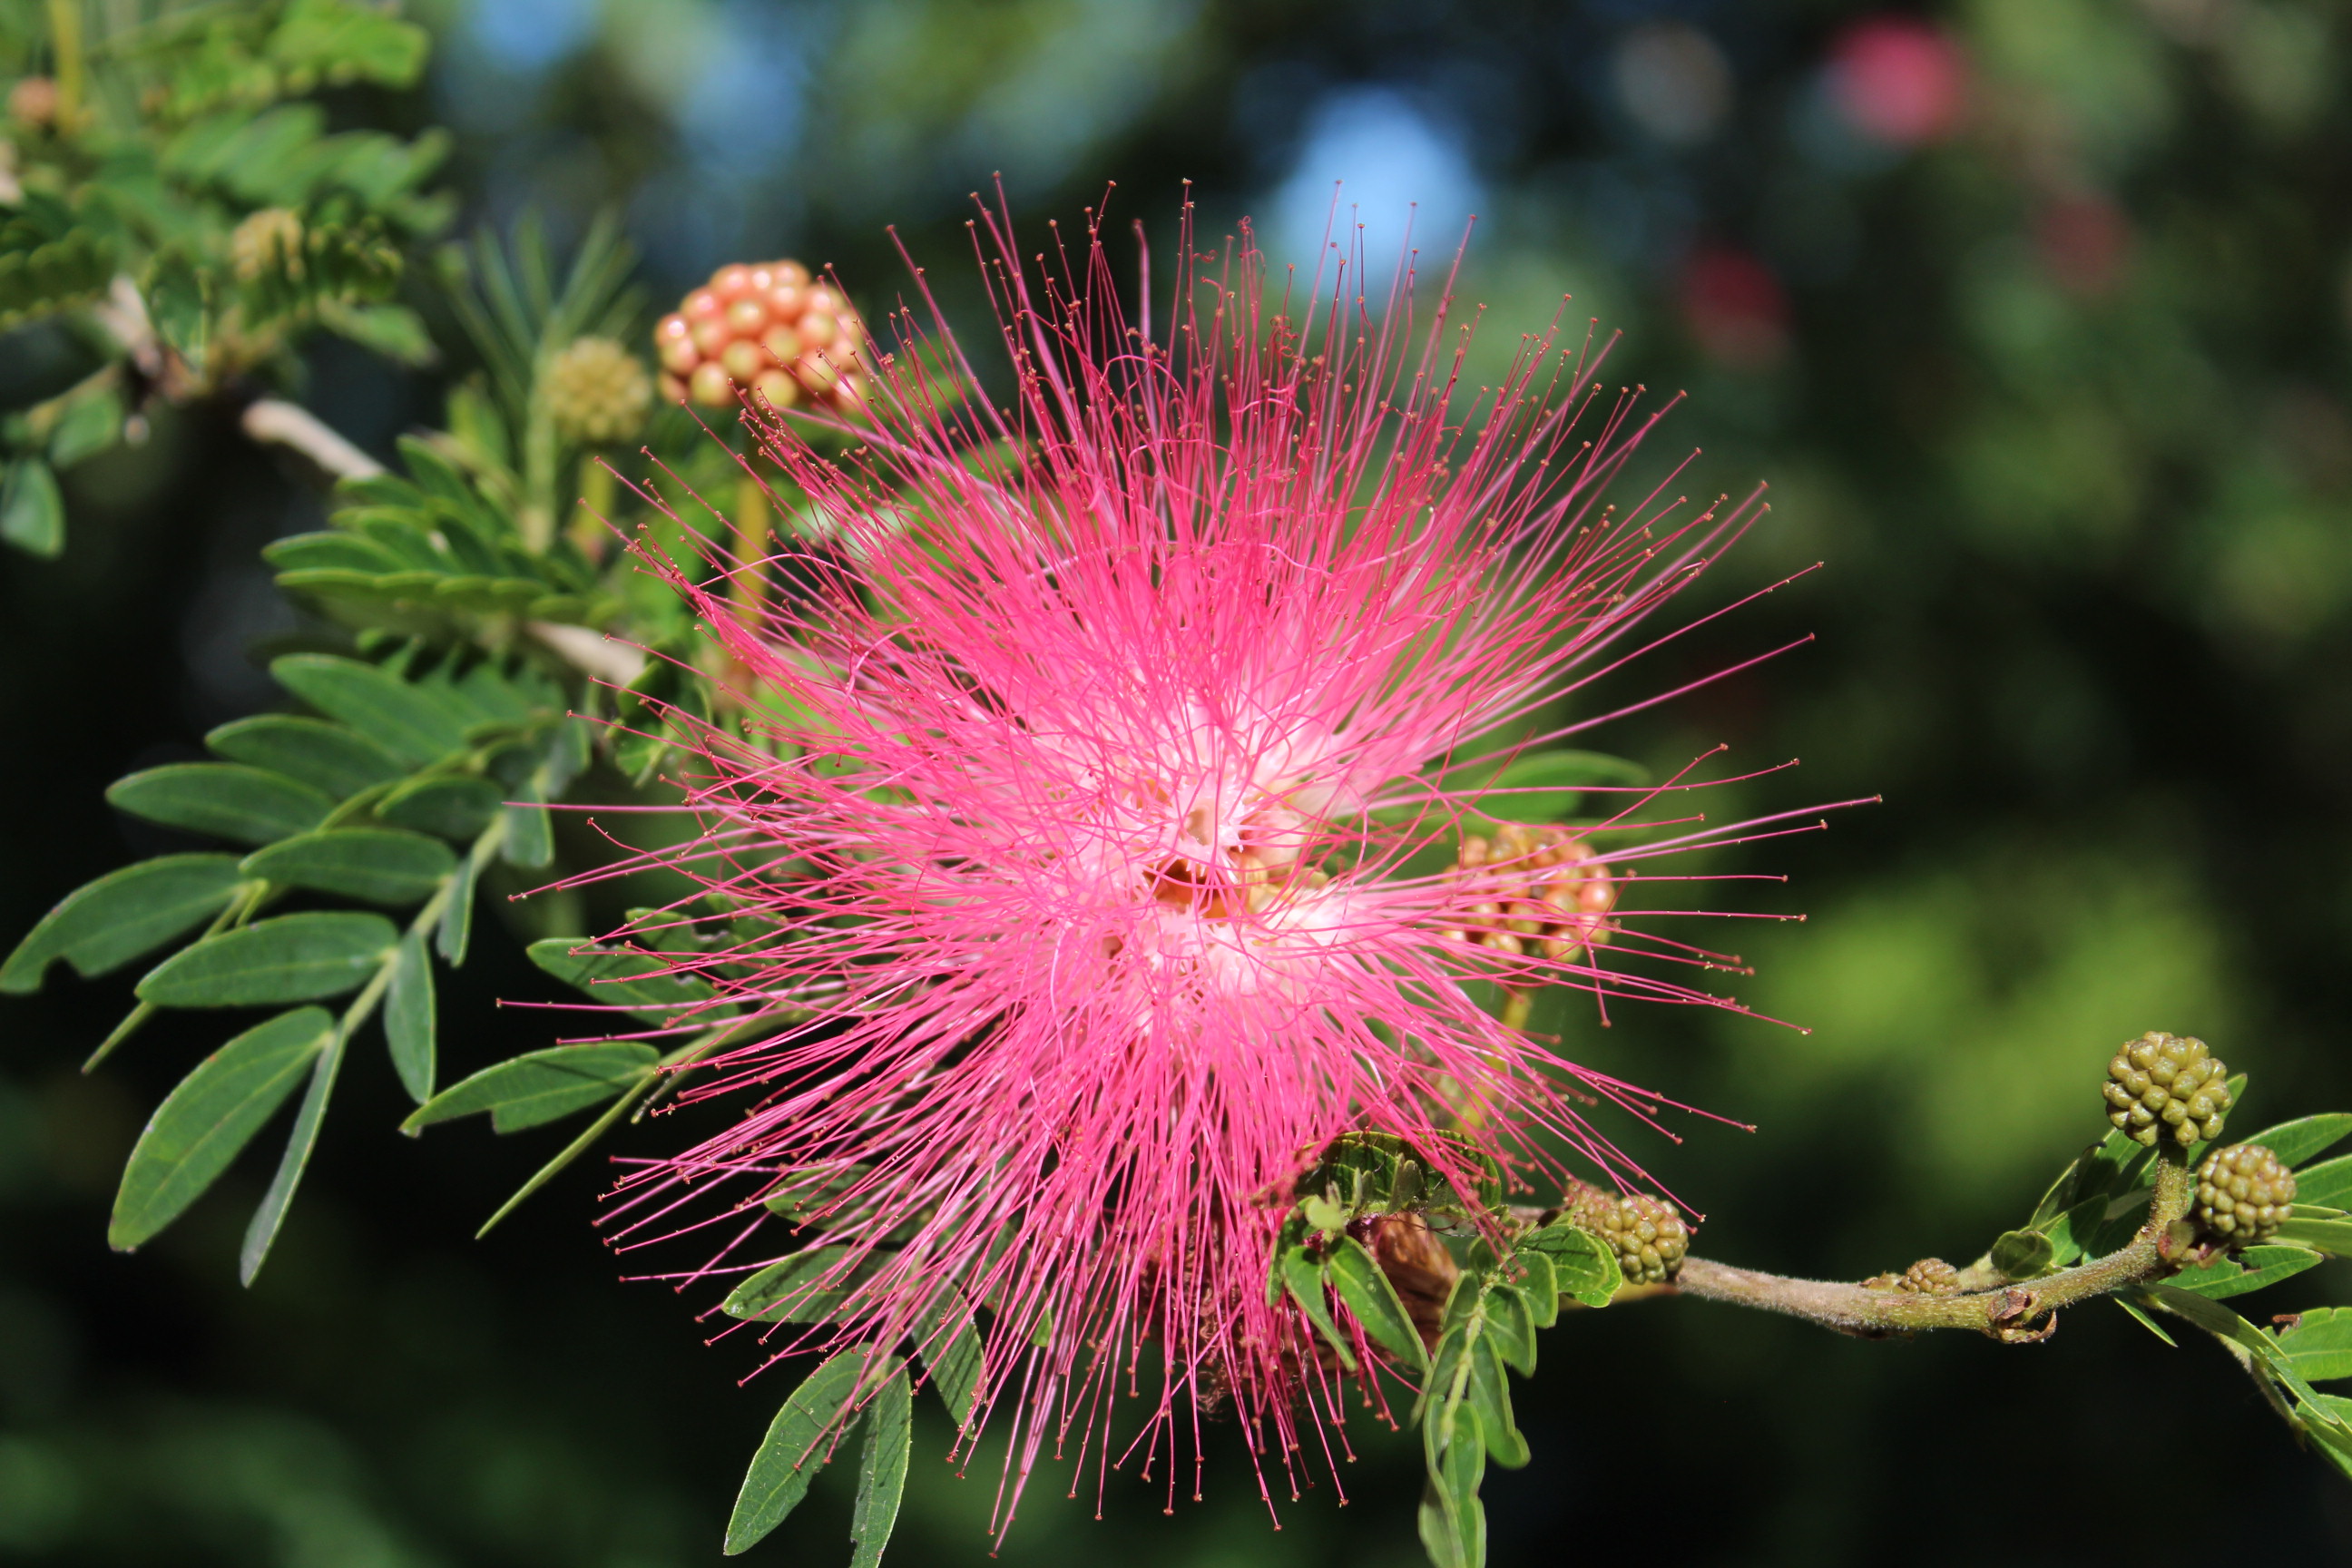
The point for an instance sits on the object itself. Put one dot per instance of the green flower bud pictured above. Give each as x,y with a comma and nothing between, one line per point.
597,393
2164,1083
2242,1192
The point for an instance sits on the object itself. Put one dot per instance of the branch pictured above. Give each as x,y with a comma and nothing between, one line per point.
290,425
2006,1312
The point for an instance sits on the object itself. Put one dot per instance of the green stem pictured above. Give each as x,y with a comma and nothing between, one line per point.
65,39
2005,1312
235,913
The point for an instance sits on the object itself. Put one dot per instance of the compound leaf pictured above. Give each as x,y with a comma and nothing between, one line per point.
791,1453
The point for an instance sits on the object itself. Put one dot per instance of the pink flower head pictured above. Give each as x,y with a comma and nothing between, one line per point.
1091,835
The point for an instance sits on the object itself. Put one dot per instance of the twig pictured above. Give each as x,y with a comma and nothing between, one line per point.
290,425
2008,1313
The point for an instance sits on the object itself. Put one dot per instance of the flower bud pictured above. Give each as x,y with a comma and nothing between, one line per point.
1646,1234
266,243
596,391
2242,1194
2164,1083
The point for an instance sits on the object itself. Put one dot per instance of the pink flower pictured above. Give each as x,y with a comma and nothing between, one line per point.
1092,823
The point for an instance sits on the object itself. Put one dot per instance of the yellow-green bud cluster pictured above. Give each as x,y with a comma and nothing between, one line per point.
267,243
2242,1194
1646,1234
1928,1277
2161,1083
597,392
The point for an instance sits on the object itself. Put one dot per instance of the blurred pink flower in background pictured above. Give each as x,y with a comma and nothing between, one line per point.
1735,309
1899,81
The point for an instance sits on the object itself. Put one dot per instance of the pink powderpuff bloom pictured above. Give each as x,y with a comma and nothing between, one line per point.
1087,836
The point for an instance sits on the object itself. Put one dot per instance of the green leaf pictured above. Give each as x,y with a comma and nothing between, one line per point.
1304,1277
530,837
1456,1467
882,1471
1540,1283
455,808
539,1086
1490,1391
2295,1141
294,958
947,1339
2319,1345
1357,1274
213,1114
408,1022
382,865
2144,1321
2320,1235
2024,1254
32,512
792,1452
342,41
807,1288
225,799
2222,1323
262,1229
1511,1323
409,724
325,756
1542,787
2327,1184
90,424
620,978
123,915
1585,1268
2249,1271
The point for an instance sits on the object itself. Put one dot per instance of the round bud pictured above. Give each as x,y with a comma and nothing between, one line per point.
709,386
746,317
854,395
702,305
596,391
1646,1234
1930,1276
792,273
786,301
762,277
2167,1085
781,342
731,283
743,360
2242,1194
778,387
816,372
673,389
33,101
818,328
711,336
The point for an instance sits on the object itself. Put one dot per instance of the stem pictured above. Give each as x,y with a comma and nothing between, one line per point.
65,39
2004,1312
271,419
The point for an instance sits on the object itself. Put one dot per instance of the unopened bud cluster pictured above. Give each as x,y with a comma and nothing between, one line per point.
596,391
2161,1083
267,243
770,329
2242,1194
1551,897
1648,1236
1928,1277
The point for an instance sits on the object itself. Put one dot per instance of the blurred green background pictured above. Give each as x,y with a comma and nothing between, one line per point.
2035,315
